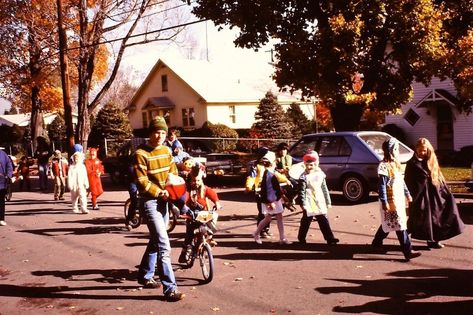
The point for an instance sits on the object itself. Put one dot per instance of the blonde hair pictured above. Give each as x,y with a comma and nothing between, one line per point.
432,162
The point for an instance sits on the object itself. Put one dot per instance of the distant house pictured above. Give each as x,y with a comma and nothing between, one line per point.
187,93
23,120
432,114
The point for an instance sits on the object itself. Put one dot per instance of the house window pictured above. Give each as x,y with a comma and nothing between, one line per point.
164,83
411,117
188,117
144,117
232,114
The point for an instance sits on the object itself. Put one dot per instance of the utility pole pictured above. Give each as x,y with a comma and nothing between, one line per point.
65,78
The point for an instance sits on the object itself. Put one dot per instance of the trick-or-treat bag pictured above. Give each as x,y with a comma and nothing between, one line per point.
176,186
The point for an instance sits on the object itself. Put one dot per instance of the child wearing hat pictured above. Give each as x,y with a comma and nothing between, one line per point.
315,199
271,199
394,197
78,183
59,169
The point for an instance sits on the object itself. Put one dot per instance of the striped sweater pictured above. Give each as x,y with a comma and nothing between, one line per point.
152,166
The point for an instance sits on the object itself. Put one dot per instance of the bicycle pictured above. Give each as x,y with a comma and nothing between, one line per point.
137,220
204,227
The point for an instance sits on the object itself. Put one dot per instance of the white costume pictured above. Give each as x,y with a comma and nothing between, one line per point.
78,184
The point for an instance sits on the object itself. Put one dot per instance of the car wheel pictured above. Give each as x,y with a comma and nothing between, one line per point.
354,189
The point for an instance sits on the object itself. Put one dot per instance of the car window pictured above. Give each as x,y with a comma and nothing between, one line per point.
334,146
304,146
375,142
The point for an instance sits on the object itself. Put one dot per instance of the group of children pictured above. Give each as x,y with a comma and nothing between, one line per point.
269,174
81,175
305,182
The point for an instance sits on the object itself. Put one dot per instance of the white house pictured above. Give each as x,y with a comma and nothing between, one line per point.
432,114
187,93
23,120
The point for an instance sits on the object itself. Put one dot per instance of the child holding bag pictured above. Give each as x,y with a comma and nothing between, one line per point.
394,197
315,199
271,199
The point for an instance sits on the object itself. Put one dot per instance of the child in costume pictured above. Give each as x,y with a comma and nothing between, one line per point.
78,183
394,198
198,199
315,199
59,168
271,199
95,169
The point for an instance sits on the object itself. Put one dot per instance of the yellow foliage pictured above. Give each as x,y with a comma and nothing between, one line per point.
366,98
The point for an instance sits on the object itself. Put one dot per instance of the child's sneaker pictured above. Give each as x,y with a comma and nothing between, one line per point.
257,239
285,241
3,223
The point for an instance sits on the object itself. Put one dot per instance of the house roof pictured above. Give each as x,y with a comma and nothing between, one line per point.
159,102
214,84
23,120
438,95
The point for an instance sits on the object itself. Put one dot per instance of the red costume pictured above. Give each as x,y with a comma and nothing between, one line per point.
94,171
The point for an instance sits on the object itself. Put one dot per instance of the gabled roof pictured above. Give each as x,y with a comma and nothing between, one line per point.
212,84
438,95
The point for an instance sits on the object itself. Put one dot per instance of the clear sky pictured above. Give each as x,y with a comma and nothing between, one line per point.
249,65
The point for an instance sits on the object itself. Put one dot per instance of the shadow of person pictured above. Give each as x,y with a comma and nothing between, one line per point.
412,292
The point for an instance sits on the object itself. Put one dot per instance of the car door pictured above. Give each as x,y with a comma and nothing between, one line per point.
334,152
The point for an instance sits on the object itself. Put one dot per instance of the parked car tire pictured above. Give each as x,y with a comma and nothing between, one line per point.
355,189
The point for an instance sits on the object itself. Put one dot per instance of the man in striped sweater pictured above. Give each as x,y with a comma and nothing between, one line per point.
153,163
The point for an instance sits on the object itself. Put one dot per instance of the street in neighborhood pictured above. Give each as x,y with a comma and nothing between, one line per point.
54,261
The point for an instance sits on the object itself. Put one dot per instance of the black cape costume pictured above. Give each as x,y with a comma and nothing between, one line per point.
433,213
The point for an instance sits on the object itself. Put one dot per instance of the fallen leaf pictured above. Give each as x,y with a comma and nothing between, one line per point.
359,266
119,308
25,260
238,279
215,309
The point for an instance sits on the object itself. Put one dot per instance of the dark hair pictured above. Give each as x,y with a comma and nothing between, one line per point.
282,146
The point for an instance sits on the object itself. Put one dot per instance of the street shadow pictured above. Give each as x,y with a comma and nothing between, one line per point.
35,212
98,221
99,275
67,292
466,212
404,294
313,251
90,230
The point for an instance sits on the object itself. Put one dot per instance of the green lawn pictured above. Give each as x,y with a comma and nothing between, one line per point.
457,174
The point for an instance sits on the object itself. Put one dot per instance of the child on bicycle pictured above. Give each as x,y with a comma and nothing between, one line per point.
198,199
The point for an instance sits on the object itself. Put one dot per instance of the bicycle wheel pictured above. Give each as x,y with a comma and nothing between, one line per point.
8,193
172,221
206,262
136,221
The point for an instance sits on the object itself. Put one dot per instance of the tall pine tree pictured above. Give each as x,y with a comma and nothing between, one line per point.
271,121
111,124
300,123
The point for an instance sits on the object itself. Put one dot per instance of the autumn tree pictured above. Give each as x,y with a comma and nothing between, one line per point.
322,46
27,58
110,19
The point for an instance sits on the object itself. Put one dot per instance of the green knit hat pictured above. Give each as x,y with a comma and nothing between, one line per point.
157,123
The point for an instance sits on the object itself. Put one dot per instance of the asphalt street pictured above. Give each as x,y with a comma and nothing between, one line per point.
53,261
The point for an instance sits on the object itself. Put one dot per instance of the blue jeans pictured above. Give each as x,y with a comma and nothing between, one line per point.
158,251
133,192
43,176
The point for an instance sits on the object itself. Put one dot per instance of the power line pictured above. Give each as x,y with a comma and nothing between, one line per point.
140,34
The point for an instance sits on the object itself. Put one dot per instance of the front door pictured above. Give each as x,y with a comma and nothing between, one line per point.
444,128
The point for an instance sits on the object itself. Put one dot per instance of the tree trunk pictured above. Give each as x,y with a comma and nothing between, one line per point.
346,117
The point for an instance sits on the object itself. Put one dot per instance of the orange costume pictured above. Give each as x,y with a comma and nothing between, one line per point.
94,171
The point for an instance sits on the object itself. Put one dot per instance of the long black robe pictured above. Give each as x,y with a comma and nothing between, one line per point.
433,213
